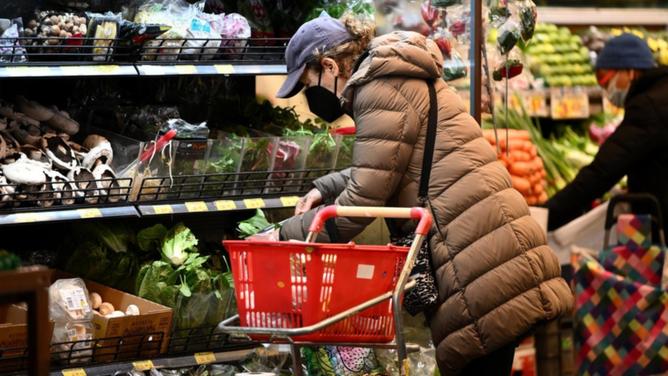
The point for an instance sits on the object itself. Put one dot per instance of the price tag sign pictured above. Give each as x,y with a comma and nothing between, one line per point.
163,209
144,365
27,218
196,207
225,205
90,213
107,69
254,203
289,201
205,358
569,104
185,69
224,68
74,372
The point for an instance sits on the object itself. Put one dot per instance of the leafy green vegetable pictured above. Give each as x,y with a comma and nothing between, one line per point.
177,243
253,225
150,238
116,236
8,260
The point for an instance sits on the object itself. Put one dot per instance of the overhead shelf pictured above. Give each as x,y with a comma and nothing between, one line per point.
209,69
604,16
92,70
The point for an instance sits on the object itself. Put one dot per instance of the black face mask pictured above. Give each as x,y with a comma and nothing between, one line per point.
323,102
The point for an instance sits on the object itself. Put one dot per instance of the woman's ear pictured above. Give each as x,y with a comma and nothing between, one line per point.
328,64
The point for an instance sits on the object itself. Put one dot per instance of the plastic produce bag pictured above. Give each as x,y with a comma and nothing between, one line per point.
455,67
185,130
235,32
458,19
10,49
499,12
508,36
70,310
508,67
445,3
527,15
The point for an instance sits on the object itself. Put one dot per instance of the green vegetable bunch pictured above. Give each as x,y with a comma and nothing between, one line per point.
8,260
253,225
181,279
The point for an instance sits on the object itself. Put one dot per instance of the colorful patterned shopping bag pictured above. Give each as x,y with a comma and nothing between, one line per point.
621,321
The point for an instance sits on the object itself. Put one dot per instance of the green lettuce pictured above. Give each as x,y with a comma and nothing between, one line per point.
177,243
253,225
150,238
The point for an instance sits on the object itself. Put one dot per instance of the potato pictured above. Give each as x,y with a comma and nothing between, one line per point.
32,24
55,30
53,42
68,34
106,308
55,19
83,29
68,26
63,34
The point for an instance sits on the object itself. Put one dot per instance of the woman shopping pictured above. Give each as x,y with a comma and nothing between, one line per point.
496,278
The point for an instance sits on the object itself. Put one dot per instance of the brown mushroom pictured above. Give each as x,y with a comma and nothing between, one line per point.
34,109
29,135
59,151
64,124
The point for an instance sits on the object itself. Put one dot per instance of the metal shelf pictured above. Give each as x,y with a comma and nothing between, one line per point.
209,69
218,205
145,365
61,215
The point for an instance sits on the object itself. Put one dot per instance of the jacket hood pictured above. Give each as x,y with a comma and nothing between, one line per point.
400,53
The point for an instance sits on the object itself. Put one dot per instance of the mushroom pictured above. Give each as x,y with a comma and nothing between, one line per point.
106,308
107,182
3,124
115,314
64,189
95,300
6,191
85,184
34,109
29,134
59,152
64,124
25,171
100,151
132,310
36,155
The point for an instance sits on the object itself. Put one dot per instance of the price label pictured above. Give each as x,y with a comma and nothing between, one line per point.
185,69
163,209
197,206
569,104
107,69
225,205
289,201
90,213
224,68
71,70
254,203
74,372
205,358
151,70
144,365
27,218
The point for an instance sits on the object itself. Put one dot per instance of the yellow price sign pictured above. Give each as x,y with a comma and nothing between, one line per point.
185,69
27,218
289,201
225,205
224,68
90,213
196,206
74,372
107,69
205,358
569,104
143,365
163,209
254,203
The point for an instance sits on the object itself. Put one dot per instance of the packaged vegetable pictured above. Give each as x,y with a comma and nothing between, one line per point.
70,310
508,36
104,29
507,69
445,3
455,67
10,49
235,33
528,15
499,12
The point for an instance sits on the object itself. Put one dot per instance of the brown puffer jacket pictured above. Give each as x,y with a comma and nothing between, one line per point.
496,276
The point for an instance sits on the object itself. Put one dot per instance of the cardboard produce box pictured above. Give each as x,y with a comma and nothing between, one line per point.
14,337
129,336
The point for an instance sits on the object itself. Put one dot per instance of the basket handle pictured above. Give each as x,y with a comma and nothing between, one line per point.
633,198
332,211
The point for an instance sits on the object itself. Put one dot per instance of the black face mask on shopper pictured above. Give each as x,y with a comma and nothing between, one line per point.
323,102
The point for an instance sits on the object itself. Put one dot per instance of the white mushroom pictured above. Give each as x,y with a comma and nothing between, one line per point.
115,314
25,171
100,151
59,152
132,310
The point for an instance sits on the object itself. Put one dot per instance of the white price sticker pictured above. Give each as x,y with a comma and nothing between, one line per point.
75,299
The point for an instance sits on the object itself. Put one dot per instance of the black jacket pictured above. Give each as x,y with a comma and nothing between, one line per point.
638,149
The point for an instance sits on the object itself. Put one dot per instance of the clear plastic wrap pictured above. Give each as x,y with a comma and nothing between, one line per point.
528,14
455,67
71,312
508,36
499,12
10,50
236,30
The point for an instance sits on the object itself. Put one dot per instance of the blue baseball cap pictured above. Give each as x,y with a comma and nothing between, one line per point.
320,34
626,51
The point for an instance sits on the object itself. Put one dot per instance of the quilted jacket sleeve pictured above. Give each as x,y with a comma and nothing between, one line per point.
386,130
634,140
330,186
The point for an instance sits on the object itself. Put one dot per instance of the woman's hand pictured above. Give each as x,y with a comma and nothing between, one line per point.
306,203
269,236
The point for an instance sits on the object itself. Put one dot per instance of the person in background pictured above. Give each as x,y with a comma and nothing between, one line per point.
638,149
496,278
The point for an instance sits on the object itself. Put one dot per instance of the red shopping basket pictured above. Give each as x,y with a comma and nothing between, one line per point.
294,284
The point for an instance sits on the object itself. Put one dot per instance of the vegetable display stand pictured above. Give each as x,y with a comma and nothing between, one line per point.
300,292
